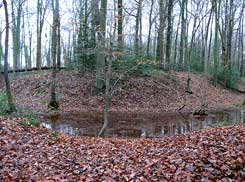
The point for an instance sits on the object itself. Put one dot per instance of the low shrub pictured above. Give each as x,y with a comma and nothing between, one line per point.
228,77
3,103
31,122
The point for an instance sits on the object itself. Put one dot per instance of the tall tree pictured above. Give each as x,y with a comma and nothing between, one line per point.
206,62
17,8
100,61
1,50
120,25
216,46
169,34
150,29
7,83
53,104
28,49
242,46
41,12
58,38
182,35
159,53
138,28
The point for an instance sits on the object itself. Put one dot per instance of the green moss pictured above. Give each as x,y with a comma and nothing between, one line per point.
221,124
44,101
3,104
54,134
31,122
238,105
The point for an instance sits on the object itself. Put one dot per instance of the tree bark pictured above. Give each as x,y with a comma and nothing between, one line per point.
149,31
40,22
53,104
100,61
182,36
7,83
120,25
159,53
169,35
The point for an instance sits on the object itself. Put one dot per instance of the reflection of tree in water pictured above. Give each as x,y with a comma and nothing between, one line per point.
140,124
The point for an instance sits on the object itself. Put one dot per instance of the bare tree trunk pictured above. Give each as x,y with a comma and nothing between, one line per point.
16,31
120,25
138,27
41,11
206,62
159,53
53,104
58,39
176,44
242,48
29,47
182,36
216,46
1,50
169,35
7,83
107,93
149,31
100,62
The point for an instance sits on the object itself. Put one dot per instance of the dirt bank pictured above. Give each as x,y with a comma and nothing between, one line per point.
136,93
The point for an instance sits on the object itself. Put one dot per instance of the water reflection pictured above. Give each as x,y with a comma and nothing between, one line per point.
139,124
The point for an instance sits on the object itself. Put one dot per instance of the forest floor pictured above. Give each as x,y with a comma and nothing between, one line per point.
159,92
28,153
31,153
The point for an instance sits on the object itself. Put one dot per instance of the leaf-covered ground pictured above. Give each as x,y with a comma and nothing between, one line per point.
36,154
157,93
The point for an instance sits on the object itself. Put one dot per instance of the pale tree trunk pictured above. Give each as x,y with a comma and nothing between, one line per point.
82,42
49,49
169,35
79,46
149,31
16,31
216,46
182,35
107,92
242,48
138,28
176,44
30,40
100,61
41,11
24,46
28,46
1,50
7,83
210,45
159,53
95,21
206,62
39,34
53,104
108,87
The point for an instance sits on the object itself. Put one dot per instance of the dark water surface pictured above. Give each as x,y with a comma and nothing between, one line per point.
139,124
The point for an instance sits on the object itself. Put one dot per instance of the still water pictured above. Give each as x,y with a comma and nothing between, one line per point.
139,124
